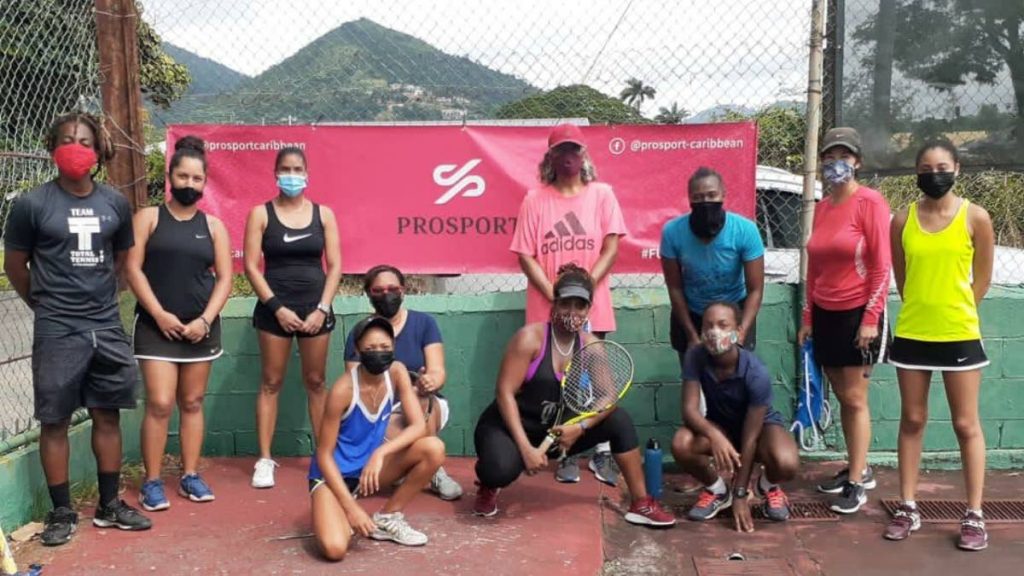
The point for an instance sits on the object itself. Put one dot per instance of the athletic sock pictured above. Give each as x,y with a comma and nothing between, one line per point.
60,495
910,504
718,487
108,482
978,512
603,448
765,485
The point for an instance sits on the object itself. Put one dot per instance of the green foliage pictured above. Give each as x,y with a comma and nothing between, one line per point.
636,92
156,177
163,80
360,71
781,133
576,101
997,192
671,115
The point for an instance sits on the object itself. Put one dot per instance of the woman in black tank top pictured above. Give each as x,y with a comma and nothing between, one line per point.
294,237
527,397
177,322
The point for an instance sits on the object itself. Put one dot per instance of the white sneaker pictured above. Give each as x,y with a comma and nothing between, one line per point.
444,486
263,477
394,527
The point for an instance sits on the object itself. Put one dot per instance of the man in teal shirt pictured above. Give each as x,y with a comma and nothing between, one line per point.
711,255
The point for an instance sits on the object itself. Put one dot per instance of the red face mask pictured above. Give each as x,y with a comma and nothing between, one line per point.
74,160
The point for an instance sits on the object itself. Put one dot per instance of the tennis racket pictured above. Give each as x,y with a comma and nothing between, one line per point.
597,377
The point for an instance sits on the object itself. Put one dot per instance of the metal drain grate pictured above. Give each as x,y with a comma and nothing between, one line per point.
803,511
951,511
759,567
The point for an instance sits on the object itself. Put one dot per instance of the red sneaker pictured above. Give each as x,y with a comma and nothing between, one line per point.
486,503
647,512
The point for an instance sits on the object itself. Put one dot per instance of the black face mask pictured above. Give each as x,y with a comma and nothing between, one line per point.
387,305
936,184
707,219
376,362
186,196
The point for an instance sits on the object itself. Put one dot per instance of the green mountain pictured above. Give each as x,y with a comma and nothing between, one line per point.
360,71
209,80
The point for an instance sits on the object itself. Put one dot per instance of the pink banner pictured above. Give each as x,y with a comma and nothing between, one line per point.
444,199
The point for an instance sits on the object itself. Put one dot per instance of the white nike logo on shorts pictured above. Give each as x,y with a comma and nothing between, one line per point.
290,239
960,360
201,236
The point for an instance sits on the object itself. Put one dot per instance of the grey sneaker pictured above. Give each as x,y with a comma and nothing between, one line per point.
394,527
568,470
604,468
850,501
835,484
972,533
709,505
59,526
444,486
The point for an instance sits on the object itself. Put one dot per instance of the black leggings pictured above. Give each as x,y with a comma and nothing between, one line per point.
498,461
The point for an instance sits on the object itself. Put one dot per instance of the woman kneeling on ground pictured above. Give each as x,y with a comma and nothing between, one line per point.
528,391
352,458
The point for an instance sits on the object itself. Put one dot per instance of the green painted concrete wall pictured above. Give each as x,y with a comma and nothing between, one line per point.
476,329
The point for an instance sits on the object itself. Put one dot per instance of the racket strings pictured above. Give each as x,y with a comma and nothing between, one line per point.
597,377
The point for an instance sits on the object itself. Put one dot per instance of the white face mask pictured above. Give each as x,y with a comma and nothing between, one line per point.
718,341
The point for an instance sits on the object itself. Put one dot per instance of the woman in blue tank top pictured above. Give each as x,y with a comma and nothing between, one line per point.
352,459
177,318
294,238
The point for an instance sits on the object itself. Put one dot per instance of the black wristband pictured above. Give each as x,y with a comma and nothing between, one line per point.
274,304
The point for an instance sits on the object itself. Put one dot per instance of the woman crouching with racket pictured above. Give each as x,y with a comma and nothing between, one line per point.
513,432
352,457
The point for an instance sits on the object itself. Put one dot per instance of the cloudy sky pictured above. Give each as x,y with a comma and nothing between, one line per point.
697,53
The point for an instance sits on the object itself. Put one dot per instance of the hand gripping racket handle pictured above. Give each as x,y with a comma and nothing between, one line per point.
545,445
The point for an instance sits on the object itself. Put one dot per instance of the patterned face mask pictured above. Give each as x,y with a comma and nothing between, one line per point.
718,341
569,322
837,171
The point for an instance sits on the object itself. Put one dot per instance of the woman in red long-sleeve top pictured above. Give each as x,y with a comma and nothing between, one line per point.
849,263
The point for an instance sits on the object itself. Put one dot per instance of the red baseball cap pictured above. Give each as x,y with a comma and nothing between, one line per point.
565,133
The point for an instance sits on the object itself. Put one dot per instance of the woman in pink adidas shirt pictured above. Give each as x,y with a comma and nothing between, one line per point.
570,218
848,269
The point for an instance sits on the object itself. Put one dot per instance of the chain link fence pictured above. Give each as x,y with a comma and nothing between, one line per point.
905,71
605,61
48,66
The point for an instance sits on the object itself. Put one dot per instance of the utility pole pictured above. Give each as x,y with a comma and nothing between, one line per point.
117,44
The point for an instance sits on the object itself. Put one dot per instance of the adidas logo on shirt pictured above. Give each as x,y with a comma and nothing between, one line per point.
567,234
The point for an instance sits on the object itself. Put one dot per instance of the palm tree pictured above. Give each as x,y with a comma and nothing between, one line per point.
671,115
636,92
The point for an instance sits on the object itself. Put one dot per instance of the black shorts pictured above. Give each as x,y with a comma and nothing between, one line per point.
150,344
263,319
352,483
938,356
93,369
834,334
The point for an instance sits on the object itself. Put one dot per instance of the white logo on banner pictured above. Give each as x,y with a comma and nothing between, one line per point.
459,178
617,146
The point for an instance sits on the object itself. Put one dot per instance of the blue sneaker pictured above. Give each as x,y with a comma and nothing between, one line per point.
152,497
193,488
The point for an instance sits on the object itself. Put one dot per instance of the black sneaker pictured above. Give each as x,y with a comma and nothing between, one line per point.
835,484
850,500
59,526
117,514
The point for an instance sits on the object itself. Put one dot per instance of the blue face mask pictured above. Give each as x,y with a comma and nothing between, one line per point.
837,171
291,184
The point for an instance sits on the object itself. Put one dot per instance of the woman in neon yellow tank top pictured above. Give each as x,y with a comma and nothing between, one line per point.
942,249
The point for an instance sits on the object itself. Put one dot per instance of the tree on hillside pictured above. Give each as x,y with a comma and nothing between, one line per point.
671,115
636,92
576,101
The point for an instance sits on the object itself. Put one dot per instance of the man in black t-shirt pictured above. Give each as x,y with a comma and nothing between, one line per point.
64,246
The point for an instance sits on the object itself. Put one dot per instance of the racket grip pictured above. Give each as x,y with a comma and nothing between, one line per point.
545,445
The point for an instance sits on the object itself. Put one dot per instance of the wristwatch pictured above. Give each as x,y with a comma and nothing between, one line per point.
323,308
740,492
